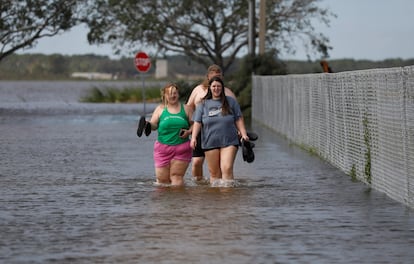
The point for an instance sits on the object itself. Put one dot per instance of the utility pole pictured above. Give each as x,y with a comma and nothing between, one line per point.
252,28
262,26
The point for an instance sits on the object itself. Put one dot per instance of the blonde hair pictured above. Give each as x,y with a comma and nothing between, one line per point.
168,88
212,68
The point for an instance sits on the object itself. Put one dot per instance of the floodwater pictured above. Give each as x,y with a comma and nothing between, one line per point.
77,186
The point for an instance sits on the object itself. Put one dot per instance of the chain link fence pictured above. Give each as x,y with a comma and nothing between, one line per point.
362,122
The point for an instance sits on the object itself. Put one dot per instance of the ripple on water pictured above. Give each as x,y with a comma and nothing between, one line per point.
79,188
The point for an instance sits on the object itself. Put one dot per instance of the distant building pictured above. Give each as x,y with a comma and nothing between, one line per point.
94,75
192,77
164,71
161,71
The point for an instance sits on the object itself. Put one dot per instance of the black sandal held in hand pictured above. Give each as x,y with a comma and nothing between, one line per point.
147,129
141,126
247,151
252,136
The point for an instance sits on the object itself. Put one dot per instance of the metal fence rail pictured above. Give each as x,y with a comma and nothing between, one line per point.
362,121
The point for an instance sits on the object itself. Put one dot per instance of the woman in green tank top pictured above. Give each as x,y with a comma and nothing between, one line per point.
172,151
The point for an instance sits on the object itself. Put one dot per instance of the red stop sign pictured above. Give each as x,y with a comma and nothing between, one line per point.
142,62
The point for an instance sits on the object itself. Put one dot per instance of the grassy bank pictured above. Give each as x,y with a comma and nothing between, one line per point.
132,95
126,95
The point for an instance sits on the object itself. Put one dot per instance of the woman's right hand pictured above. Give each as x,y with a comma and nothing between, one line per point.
193,143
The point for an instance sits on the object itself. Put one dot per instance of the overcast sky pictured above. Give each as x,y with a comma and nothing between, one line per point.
364,29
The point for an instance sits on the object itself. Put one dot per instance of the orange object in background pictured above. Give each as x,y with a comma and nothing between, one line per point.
325,66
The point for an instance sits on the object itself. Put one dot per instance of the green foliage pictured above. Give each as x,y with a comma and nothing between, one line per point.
367,140
133,95
352,173
56,66
24,22
95,96
126,95
207,30
185,88
241,85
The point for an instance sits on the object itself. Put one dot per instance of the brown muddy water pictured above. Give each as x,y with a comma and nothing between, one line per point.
76,186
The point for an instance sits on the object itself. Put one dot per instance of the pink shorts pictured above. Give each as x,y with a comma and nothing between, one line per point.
163,154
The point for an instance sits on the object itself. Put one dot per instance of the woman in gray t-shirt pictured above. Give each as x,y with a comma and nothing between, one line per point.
218,118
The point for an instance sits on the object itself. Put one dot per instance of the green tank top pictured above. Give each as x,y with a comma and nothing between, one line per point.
170,125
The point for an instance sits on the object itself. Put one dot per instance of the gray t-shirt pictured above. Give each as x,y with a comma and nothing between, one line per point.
217,130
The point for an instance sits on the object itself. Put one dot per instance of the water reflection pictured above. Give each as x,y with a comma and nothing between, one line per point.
78,187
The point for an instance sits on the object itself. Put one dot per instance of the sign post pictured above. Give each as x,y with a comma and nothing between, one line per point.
142,64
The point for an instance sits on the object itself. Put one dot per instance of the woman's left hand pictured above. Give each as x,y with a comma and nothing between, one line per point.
245,138
184,133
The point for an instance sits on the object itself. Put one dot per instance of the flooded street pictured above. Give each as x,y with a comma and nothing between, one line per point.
77,186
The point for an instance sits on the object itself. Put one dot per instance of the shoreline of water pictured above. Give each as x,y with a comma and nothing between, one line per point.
49,108
59,91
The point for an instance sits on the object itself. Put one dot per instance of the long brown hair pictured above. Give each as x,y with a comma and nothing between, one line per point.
225,107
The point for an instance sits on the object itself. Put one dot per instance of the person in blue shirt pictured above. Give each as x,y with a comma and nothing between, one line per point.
220,118
196,96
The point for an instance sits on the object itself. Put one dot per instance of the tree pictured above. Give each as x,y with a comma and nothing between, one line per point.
23,22
263,64
207,31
